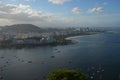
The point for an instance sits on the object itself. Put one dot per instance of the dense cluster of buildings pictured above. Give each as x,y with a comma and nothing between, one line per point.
40,38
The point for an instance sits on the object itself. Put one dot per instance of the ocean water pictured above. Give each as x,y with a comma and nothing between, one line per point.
96,55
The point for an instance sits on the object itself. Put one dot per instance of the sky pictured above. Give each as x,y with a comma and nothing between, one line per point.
61,13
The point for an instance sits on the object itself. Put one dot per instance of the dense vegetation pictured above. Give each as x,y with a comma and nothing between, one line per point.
64,74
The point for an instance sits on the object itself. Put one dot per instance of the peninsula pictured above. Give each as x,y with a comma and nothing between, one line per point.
28,35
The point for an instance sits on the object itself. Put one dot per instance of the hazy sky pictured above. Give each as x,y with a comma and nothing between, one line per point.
61,13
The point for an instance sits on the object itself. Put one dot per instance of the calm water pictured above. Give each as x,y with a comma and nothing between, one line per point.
97,55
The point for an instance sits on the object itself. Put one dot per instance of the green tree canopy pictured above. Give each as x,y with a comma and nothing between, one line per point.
64,74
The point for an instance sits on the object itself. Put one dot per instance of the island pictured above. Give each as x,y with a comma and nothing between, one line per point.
28,35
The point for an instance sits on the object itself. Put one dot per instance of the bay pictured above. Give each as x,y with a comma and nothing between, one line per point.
96,55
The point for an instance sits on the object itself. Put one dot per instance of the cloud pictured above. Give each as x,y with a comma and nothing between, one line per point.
96,10
17,14
104,3
58,1
76,10
23,13
20,14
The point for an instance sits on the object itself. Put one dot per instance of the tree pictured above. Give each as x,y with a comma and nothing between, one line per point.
64,74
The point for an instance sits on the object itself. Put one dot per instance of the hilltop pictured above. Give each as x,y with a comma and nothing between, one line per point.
21,28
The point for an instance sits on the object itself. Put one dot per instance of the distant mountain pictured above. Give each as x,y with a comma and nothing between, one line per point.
21,28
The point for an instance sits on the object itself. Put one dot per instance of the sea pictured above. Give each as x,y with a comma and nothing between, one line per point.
97,56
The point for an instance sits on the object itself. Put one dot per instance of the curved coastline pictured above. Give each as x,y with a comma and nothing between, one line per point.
67,40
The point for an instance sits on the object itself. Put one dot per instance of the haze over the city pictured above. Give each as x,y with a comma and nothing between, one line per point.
60,13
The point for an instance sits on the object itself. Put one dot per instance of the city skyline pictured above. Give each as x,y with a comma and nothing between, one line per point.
60,13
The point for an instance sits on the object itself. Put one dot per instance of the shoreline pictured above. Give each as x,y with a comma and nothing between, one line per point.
60,41
90,33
